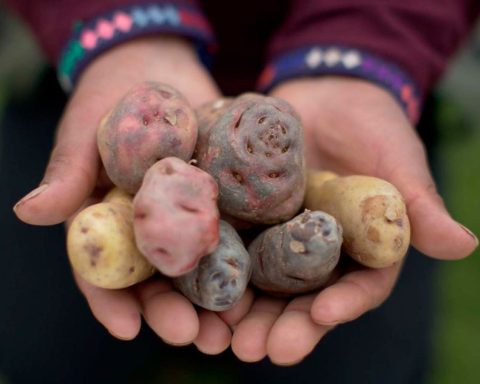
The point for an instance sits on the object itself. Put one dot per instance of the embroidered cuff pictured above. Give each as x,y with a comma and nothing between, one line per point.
92,37
339,60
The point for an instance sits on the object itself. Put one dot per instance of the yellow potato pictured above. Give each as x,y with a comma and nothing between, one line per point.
101,246
117,195
372,212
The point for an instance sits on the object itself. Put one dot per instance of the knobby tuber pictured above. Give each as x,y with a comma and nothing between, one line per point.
255,153
297,256
101,245
207,115
221,277
151,122
176,216
376,229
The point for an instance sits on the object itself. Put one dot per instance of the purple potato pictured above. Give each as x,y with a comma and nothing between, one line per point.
297,256
221,277
255,153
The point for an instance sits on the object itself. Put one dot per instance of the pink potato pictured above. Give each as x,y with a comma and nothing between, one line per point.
151,122
176,216
254,151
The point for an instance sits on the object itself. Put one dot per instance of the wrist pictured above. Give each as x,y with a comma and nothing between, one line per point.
108,29
168,59
147,58
334,60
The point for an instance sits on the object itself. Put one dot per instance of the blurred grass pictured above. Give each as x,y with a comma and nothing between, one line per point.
457,334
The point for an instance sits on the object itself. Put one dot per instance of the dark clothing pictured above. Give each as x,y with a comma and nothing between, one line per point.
419,36
49,336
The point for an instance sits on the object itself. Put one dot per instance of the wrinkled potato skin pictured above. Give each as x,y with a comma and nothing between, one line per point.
152,121
297,256
255,153
373,214
221,277
101,247
176,216
207,115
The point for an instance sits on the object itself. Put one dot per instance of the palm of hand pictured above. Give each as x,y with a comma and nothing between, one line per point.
351,127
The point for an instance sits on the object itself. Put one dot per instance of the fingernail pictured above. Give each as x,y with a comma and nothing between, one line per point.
289,364
174,344
470,233
120,337
37,191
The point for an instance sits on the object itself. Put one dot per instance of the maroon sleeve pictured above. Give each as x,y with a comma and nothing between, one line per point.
52,20
417,35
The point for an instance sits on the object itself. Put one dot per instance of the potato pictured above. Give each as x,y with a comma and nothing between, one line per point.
101,246
207,115
255,153
152,121
176,216
118,196
220,279
372,212
297,256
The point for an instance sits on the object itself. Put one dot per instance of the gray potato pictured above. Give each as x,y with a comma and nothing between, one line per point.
297,256
221,277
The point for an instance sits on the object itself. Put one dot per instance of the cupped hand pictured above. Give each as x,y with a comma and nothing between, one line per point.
351,127
74,172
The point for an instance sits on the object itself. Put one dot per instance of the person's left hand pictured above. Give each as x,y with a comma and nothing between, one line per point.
351,127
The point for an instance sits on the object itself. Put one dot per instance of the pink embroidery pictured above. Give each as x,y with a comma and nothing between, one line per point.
122,21
105,29
406,92
88,40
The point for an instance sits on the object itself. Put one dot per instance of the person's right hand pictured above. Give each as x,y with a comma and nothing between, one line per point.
74,170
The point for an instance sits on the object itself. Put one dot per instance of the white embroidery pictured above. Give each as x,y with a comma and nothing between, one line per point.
332,57
351,59
314,58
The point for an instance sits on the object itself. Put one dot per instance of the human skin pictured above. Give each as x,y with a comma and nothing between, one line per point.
372,136
74,174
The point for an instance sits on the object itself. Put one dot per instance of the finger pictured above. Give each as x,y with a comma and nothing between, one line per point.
234,315
117,310
214,334
354,294
434,232
170,315
71,171
249,341
294,335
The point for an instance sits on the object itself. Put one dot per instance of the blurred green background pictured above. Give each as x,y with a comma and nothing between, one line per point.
457,333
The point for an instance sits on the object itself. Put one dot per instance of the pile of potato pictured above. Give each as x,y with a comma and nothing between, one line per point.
220,197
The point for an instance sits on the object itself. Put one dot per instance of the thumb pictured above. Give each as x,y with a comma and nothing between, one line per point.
71,172
434,232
